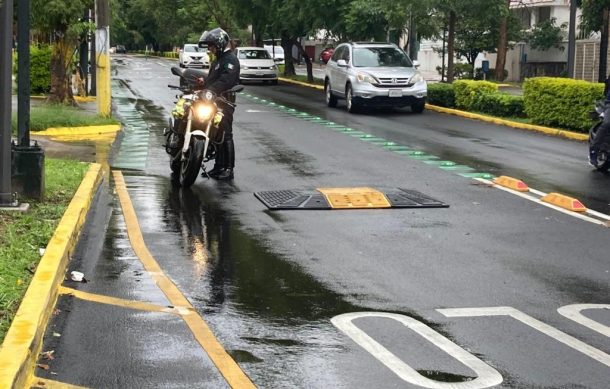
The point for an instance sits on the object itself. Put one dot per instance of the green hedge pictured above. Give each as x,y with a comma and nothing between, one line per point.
561,102
498,104
467,90
441,94
40,69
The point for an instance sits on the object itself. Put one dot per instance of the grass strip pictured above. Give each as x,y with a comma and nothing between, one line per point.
23,234
55,115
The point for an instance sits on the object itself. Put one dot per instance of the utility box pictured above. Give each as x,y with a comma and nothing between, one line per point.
27,171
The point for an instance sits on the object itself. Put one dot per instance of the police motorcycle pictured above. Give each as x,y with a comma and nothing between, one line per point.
193,136
602,162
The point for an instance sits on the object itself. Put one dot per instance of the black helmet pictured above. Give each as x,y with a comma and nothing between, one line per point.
216,37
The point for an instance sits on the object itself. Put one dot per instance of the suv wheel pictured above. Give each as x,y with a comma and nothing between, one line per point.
349,100
331,100
418,107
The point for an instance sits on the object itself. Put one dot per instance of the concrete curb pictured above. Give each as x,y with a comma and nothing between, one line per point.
504,122
75,131
488,119
23,342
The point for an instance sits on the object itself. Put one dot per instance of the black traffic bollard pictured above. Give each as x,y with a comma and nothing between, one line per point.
27,170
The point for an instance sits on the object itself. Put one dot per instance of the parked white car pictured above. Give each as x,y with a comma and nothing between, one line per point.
374,75
256,64
276,52
192,56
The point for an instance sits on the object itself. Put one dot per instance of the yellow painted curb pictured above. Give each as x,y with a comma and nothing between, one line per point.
23,342
288,80
76,131
504,122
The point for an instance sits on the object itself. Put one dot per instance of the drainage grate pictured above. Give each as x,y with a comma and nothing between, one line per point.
299,199
292,199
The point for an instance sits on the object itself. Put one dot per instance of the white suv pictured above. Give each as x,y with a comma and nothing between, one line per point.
375,75
192,56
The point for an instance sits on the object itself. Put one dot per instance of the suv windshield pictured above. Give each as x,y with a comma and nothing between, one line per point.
253,54
193,49
380,57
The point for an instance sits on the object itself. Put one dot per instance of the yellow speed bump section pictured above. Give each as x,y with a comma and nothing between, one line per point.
566,202
356,198
511,183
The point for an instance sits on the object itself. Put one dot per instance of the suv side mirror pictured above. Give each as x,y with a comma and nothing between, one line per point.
341,63
416,64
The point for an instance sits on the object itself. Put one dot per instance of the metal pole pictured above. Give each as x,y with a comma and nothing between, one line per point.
84,54
572,38
23,82
102,46
6,82
92,61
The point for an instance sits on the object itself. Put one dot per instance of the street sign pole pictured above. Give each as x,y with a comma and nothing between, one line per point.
6,82
572,38
23,80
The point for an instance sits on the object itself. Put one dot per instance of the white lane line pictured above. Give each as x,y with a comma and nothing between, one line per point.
572,312
162,64
537,200
487,376
536,324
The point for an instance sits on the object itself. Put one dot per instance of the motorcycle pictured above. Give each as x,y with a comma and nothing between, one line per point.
193,136
603,155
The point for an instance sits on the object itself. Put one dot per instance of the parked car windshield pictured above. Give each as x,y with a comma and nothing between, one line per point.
193,49
380,57
253,54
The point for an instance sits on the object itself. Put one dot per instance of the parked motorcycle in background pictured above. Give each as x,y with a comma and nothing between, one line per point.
602,162
193,135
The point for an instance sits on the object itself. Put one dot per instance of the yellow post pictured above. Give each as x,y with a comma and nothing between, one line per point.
102,49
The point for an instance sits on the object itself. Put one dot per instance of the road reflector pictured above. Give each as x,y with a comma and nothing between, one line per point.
355,198
511,183
566,202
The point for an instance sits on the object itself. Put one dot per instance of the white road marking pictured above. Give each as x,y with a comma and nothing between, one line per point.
537,200
162,64
487,376
546,329
572,312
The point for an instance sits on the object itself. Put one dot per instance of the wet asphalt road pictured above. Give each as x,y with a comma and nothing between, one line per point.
269,282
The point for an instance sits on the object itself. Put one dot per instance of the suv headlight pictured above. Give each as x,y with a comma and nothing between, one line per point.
416,78
363,77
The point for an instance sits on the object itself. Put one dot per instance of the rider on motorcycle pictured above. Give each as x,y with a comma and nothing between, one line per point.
602,131
224,74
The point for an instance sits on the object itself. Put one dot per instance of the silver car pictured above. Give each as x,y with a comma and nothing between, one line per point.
374,75
192,56
256,64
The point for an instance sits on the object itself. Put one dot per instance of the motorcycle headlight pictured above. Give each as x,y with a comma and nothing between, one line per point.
363,77
416,78
204,112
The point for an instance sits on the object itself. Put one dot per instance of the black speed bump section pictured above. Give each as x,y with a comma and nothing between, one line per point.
347,198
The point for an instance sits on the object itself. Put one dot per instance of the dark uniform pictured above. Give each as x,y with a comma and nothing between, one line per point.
223,75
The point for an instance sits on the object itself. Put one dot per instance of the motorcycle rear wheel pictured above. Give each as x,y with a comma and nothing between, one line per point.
189,169
603,158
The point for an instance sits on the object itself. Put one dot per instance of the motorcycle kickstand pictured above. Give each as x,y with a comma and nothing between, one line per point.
205,173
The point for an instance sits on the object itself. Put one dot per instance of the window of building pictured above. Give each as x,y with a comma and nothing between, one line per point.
544,14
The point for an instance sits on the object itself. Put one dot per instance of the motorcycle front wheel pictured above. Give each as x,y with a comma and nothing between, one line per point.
192,163
603,159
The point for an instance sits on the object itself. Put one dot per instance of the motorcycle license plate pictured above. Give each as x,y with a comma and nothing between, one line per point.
395,93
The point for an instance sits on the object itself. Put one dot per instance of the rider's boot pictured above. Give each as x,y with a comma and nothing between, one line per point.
218,163
229,153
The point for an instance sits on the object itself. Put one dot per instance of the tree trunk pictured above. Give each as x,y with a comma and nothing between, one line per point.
307,62
61,86
603,48
451,46
287,44
502,46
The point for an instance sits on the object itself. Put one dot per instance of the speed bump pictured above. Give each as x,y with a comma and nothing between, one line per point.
566,202
347,198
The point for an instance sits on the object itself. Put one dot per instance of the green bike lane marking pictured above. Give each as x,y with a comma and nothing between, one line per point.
133,150
429,159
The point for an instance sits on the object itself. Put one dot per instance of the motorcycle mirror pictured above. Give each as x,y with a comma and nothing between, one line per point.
176,71
237,88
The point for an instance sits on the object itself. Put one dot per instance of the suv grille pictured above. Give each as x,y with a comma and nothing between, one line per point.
386,81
